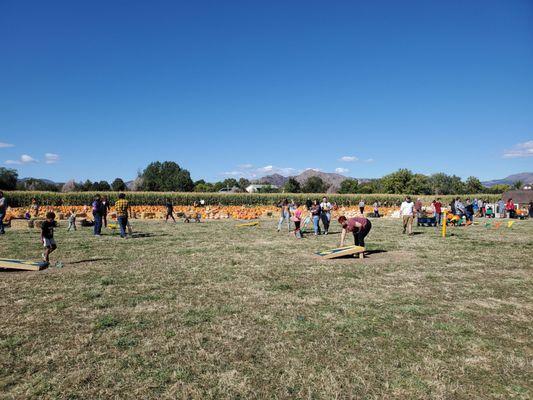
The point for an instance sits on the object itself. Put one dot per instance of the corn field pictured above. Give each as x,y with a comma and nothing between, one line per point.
23,198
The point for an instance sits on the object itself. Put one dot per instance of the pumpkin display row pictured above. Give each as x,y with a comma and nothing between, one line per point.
159,212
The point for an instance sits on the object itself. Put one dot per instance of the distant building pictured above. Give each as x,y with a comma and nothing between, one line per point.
254,188
529,186
233,189
521,198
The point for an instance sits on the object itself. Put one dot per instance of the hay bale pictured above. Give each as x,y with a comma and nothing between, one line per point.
19,223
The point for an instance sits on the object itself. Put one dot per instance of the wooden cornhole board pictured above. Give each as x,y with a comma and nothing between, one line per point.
342,251
22,265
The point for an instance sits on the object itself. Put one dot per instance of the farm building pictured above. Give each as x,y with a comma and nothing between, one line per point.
521,198
257,188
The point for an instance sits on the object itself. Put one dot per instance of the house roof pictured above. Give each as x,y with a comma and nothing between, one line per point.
519,196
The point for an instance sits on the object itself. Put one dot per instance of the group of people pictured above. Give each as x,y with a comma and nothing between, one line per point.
320,212
317,212
100,208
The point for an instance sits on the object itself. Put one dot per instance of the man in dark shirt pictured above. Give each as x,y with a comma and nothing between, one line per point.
359,226
47,235
170,211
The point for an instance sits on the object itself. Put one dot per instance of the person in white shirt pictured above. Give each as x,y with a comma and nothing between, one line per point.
325,215
407,212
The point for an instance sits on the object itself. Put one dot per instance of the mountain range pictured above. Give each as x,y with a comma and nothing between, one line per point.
524,177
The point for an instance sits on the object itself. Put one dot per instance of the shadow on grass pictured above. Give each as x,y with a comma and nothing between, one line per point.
89,260
145,235
356,256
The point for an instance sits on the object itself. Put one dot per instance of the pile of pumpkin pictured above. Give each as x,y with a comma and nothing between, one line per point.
208,212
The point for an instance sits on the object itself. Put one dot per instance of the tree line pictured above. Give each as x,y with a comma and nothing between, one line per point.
168,176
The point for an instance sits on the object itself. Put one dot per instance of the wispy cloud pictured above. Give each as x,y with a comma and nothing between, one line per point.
520,150
252,172
24,159
369,160
6,145
341,170
51,158
348,158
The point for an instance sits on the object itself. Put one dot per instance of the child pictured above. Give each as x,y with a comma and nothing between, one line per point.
297,219
376,209
72,220
47,236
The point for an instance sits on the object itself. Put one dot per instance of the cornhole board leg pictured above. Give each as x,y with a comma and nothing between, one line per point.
342,251
22,265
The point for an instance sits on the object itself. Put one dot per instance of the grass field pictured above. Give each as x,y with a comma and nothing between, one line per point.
214,311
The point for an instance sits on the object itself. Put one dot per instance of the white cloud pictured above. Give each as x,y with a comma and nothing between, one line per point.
51,158
5,145
520,150
24,159
341,170
250,172
348,158
369,160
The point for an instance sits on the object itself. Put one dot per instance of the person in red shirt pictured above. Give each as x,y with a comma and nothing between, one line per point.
359,226
438,210
509,207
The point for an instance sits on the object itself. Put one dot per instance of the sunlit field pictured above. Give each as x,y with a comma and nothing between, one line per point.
211,310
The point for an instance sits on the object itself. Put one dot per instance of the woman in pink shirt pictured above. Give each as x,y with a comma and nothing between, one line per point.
297,219
359,226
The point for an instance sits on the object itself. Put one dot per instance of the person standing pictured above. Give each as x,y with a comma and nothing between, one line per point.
297,219
359,226
47,236
418,207
509,208
501,208
170,210
34,208
105,209
325,215
459,207
97,215
530,210
376,209
315,214
3,209
438,210
469,211
452,207
407,213
362,207
285,215
122,208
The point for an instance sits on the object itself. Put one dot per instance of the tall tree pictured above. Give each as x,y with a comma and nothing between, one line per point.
292,186
314,184
118,185
166,176
349,186
243,183
473,185
8,178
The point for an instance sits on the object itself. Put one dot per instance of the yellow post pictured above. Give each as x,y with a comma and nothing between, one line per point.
444,221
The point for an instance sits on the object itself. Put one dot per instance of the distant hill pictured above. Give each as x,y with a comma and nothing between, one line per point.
333,180
524,177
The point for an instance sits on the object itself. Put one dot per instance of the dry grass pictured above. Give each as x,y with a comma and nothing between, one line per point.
214,311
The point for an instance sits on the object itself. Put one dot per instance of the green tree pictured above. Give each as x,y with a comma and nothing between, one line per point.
118,185
349,186
87,186
496,189
204,187
166,176
445,184
518,185
418,184
314,184
8,178
397,182
243,183
292,186
473,185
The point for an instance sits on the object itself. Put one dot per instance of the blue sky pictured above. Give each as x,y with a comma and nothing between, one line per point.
99,89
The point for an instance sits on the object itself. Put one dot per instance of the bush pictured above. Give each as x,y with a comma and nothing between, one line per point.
23,198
